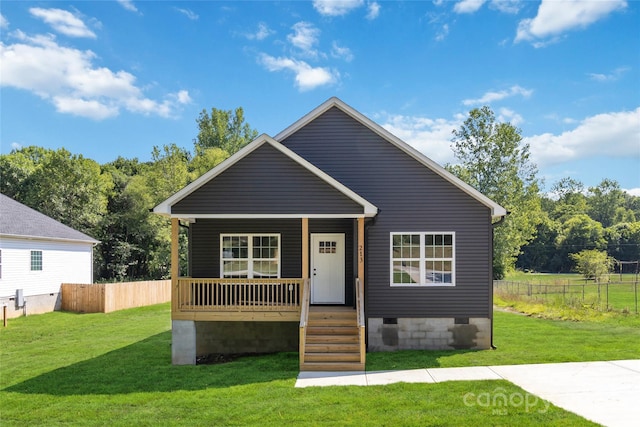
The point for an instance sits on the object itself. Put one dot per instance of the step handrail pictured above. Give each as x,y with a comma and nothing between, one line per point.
360,316
304,318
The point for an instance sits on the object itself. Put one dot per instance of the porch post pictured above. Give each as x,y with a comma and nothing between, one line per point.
175,262
305,248
361,249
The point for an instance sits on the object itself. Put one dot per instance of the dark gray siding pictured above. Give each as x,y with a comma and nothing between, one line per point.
205,243
266,182
204,247
410,198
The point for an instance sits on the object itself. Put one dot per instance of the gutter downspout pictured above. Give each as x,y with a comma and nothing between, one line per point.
493,226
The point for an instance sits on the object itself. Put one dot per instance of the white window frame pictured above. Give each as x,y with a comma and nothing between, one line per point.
31,254
250,259
423,259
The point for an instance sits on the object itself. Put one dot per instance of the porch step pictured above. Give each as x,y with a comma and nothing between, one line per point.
329,367
333,347
332,340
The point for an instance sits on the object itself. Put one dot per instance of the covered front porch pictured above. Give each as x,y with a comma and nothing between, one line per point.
280,299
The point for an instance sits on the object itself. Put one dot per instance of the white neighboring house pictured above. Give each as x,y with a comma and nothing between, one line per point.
37,255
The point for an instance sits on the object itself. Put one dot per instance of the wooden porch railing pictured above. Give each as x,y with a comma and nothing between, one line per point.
304,318
205,295
360,317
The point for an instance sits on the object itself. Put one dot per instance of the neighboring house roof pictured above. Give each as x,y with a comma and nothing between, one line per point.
164,208
18,220
496,210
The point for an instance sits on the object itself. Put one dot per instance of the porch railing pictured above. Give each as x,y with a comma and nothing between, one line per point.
196,294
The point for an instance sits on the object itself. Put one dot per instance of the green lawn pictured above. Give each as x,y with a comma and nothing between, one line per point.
115,369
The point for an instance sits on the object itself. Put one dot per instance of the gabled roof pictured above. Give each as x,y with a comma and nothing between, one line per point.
165,208
18,220
496,210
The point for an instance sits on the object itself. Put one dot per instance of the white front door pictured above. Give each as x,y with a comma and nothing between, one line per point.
327,268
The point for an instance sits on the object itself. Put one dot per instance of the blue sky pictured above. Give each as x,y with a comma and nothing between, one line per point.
114,78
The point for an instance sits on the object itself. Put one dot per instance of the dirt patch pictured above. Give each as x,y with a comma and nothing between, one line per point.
217,358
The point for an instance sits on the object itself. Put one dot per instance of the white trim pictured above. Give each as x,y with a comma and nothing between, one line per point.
423,259
496,210
164,208
193,217
50,239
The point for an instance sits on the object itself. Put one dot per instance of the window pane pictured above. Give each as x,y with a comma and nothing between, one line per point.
448,239
265,269
36,260
406,271
235,269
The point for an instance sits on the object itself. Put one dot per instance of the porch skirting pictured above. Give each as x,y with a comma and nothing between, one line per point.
245,337
389,334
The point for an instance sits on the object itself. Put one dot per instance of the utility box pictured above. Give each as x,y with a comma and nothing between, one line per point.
19,298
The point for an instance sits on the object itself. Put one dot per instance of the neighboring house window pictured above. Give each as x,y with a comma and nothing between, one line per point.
36,260
250,255
423,259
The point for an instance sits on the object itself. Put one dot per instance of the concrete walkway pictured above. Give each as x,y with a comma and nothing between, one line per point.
607,393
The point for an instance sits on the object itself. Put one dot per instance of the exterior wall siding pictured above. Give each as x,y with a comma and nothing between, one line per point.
266,182
61,262
410,198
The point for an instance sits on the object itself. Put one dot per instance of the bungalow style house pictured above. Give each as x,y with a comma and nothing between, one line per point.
332,238
37,255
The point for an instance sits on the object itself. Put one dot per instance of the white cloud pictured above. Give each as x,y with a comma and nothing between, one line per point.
16,146
507,6
432,137
633,191
261,33
306,76
128,4
305,37
489,97
336,7
615,75
68,79
188,13
609,134
557,17
4,24
468,6
373,10
63,22
443,33
506,115
344,52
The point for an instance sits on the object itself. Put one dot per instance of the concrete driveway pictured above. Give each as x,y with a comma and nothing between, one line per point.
607,393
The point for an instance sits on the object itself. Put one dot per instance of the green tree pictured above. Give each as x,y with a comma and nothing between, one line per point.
570,199
578,233
540,253
169,171
603,201
67,187
495,161
592,264
623,241
223,129
206,160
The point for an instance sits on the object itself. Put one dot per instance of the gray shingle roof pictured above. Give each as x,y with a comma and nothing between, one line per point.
17,219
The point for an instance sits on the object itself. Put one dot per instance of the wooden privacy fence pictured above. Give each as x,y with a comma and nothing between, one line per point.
108,297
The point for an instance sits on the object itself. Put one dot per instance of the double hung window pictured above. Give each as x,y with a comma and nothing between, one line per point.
250,255
423,258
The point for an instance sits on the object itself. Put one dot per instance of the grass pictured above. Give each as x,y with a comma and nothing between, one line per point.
115,369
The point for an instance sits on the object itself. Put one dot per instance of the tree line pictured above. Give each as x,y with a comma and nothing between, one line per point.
112,202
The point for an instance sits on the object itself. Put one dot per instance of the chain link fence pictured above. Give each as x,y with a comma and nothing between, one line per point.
615,293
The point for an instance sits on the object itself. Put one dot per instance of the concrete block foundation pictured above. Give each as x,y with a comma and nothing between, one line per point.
428,333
